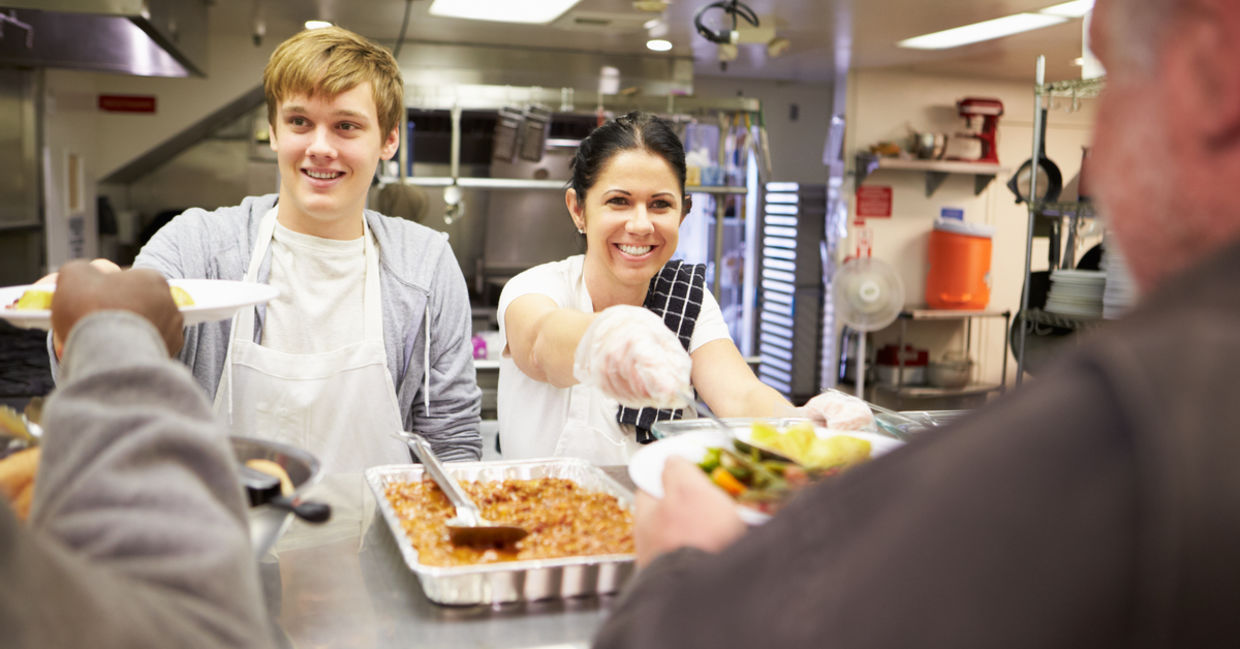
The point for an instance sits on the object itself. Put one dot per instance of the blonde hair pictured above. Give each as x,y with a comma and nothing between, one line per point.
330,61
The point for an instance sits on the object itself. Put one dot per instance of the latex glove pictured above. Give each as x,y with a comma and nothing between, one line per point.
692,513
834,409
629,354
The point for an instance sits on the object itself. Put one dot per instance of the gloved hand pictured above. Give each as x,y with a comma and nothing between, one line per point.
834,409
629,354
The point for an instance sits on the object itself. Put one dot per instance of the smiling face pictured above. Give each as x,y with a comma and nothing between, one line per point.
328,148
631,217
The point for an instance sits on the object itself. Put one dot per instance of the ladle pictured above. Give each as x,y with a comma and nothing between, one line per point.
467,527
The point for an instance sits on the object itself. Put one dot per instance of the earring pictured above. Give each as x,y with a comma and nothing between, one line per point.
581,230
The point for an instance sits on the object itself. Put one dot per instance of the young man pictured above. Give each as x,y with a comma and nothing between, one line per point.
1098,506
371,332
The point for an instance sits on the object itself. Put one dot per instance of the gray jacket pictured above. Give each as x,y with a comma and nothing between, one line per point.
417,273
137,536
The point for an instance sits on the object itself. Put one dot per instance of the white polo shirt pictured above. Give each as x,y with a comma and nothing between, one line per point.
532,414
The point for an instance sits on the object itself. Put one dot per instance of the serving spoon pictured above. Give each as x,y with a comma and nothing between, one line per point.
700,408
467,527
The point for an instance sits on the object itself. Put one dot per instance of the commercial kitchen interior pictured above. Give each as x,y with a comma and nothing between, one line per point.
828,78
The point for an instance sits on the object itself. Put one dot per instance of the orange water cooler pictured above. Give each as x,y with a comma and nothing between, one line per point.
958,276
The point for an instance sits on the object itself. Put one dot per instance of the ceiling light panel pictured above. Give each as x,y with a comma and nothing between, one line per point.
508,11
983,31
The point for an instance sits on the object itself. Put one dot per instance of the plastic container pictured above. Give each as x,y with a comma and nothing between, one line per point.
958,276
893,368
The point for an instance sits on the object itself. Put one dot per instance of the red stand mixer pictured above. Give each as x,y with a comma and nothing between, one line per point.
989,110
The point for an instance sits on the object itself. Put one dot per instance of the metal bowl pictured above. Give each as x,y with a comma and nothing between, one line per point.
267,523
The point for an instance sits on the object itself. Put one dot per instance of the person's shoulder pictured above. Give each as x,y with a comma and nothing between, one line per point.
250,208
412,252
554,279
402,232
567,268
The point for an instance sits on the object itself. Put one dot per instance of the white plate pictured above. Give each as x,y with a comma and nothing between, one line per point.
214,299
646,465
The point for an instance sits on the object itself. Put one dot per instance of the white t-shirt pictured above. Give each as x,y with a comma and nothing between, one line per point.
533,414
322,283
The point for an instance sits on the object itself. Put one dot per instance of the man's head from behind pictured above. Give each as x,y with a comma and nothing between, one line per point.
1167,135
329,61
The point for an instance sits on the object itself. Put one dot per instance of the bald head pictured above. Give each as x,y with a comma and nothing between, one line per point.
1167,137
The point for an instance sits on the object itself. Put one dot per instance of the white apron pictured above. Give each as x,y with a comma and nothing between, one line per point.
590,429
339,405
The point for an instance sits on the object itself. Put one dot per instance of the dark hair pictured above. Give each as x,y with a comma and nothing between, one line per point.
636,130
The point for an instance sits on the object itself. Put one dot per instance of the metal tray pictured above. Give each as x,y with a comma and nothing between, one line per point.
511,581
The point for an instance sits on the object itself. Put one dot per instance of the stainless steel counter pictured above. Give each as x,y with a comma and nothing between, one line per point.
344,584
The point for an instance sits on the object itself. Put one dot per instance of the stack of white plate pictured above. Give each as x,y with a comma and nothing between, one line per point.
1076,293
1121,292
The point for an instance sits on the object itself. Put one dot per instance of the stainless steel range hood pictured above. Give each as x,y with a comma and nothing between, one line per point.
158,38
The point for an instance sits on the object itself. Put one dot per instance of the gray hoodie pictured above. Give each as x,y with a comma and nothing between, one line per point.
417,274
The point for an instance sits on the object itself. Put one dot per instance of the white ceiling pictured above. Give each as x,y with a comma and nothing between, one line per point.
824,34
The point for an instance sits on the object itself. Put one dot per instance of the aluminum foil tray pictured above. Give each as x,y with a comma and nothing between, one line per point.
511,581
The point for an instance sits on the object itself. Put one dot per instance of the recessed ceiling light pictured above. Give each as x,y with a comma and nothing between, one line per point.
983,31
658,45
508,11
1074,9
317,24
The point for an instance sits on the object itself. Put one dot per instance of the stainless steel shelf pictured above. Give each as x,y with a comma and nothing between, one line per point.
927,392
1081,88
1072,208
950,314
1038,316
525,184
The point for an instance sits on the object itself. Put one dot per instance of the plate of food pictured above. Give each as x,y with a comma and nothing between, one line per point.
200,300
760,463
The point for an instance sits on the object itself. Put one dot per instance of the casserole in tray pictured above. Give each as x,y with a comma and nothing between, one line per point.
509,581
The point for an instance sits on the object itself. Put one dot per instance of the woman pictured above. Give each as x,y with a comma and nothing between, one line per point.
621,323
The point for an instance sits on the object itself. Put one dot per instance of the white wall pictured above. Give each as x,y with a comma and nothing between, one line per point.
69,128
883,106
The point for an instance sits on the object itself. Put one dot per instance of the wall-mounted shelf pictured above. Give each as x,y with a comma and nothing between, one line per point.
936,170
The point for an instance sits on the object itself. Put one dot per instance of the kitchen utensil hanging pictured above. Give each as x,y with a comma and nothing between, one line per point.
507,133
1050,180
535,126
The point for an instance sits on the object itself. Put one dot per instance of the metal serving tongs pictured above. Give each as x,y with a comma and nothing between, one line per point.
467,527
699,408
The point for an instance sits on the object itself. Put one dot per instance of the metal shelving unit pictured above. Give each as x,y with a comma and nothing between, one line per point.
901,391
1075,90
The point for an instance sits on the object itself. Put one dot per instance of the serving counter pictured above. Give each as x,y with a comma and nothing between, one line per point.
345,584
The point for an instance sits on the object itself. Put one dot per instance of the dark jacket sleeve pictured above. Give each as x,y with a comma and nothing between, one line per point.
1017,528
138,535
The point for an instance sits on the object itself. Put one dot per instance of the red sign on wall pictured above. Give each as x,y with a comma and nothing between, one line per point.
873,202
127,103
